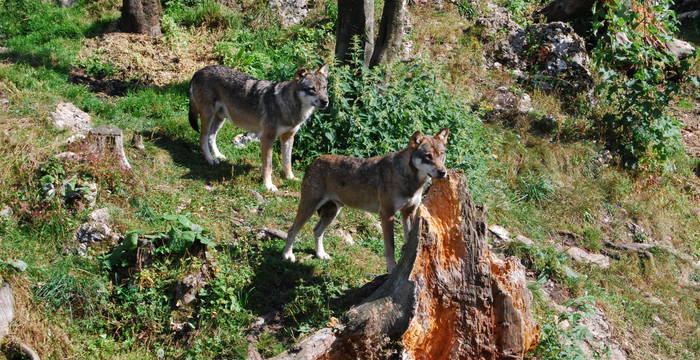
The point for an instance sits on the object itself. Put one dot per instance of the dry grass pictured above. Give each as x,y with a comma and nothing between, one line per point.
152,60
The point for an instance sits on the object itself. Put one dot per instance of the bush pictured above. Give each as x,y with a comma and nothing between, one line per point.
375,111
639,79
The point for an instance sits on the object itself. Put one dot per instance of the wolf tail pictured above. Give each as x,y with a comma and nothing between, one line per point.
193,114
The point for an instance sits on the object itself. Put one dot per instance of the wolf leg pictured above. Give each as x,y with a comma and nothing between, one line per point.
216,125
327,212
208,117
388,233
306,208
287,141
266,152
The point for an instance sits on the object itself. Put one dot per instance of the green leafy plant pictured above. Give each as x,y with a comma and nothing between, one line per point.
375,111
639,77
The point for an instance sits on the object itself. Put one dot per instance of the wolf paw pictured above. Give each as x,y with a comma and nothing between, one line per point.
270,187
221,157
289,257
323,255
213,161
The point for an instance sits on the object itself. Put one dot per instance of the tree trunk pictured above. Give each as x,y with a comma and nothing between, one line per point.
141,16
565,10
355,18
448,298
391,32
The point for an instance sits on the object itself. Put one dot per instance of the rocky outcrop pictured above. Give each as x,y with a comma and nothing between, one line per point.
449,297
553,55
97,229
290,11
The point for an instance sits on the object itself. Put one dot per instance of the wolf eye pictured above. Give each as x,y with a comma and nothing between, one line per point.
428,157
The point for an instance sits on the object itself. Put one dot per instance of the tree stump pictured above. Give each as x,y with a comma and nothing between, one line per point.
449,297
108,139
141,17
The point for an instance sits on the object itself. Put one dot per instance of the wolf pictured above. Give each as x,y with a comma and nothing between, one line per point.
381,184
270,109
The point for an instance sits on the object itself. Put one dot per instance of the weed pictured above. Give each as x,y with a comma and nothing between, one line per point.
536,187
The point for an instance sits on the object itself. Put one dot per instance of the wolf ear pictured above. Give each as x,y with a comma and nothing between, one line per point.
323,70
300,74
416,139
442,135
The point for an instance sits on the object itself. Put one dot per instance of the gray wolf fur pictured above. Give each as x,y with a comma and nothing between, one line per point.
267,108
381,184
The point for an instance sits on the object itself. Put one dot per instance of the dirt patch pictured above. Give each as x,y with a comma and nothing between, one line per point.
142,59
691,129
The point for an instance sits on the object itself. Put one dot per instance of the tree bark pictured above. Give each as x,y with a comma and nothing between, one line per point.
108,139
391,33
355,18
565,10
448,298
141,16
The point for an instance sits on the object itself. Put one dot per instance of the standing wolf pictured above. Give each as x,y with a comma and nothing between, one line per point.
267,108
384,184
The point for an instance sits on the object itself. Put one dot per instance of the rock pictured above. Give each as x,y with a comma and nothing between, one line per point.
504,236
680,49
7,309
506,35
689,15
95,230
347,238
524,240
18,265
74,138
186,289
560,53
137,141
291,11
601,336
509,101
67,3
580,255
68,116
242,140
74,189
6,211
260,199
68,156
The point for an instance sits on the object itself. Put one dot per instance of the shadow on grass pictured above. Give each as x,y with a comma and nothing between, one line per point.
186,154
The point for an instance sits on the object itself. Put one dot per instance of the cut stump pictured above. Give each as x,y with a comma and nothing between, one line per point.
108,139
449,297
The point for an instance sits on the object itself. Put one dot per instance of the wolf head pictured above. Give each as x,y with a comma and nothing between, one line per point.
428,155
313,86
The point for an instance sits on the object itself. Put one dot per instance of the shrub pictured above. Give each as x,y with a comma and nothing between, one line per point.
375,111
639,79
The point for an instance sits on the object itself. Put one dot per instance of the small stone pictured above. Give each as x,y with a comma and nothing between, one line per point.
18,265
68,156
74,138
258,196
347,238
500,232
137,140
524,240
681,49
6,212
580,255
242,140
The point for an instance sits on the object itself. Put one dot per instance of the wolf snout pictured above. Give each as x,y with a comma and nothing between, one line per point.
323,103
441,174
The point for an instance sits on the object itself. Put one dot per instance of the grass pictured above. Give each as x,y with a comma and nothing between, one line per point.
532,184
